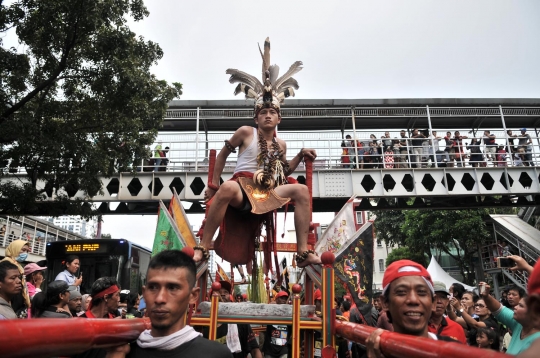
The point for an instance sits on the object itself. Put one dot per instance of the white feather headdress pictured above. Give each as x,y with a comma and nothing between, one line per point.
273,89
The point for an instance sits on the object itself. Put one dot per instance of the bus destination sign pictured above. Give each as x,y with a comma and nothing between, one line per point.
82,248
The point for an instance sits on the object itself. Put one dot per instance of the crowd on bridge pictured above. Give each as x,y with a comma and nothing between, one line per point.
423,150
409,303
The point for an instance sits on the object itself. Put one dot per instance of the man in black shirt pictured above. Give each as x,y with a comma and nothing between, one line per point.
241,338
170,289
417,148
278,337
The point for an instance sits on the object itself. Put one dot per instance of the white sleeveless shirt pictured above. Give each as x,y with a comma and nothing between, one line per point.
247,160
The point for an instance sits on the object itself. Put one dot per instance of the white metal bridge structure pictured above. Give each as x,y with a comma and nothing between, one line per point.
191,128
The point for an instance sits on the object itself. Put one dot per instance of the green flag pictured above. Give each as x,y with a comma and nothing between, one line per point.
167,236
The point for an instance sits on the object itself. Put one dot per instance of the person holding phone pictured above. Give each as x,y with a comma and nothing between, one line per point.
518,320
71,267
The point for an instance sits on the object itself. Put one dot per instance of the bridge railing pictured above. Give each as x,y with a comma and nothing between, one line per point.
188,153
36,231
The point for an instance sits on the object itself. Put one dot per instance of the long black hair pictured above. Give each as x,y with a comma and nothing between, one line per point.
69,259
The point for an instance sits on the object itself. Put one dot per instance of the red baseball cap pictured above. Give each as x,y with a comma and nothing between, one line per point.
403,268
317,295
282,293
534,280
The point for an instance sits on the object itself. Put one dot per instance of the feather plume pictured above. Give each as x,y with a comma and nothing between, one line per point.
247,79
290,82
274,73
248,91
294,69
285,92
239,89
266,57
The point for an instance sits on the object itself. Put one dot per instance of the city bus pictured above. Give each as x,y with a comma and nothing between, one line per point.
125,261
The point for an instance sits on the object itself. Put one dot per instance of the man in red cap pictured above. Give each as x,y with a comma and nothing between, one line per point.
278,337
408,297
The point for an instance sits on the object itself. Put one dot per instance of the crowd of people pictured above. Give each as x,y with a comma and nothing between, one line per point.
422,150
409,303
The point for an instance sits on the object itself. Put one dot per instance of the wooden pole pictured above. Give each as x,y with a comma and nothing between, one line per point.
296,289
46,337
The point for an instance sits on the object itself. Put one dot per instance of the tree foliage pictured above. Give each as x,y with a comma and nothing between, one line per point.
388,225
456,233
404,253
77,99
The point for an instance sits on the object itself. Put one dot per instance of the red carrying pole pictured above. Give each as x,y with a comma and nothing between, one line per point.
401,345
47,337
309,183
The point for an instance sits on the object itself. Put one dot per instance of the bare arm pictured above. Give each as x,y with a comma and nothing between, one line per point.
236,141
294,162
491,303
471,321
521,264
455,304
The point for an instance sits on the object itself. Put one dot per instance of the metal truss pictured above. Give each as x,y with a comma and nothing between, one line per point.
381,189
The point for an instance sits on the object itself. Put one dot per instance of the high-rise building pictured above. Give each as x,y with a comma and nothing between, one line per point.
74,224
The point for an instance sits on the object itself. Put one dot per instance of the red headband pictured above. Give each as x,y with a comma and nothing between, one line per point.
107,291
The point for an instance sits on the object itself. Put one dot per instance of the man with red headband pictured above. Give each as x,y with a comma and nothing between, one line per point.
105,299
260,182
408,297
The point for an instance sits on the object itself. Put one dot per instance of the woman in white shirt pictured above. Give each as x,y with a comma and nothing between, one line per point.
71,266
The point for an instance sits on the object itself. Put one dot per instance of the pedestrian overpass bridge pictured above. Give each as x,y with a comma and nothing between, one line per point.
192,128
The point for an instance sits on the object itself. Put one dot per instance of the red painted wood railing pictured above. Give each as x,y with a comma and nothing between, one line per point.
53,337
400,345
63,337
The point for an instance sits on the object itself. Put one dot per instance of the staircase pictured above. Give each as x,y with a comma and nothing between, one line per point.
522,239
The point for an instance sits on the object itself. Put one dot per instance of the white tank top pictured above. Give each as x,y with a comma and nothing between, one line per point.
247,160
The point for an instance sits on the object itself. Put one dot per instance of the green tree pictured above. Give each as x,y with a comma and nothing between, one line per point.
454,232
76,99
404,253
388,225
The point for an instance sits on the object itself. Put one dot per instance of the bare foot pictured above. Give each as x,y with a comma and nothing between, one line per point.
197,257
311,259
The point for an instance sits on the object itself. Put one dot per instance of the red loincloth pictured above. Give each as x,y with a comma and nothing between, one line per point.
238,231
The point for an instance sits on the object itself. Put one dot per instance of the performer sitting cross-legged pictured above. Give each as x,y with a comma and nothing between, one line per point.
260,182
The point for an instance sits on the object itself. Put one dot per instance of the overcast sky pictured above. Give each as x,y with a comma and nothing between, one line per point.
350,49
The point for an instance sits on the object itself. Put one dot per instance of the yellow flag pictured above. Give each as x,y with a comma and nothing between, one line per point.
181,219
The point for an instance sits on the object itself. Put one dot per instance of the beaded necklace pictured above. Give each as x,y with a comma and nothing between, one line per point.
271,172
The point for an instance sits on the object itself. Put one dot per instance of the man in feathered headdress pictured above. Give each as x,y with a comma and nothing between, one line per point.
260,182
